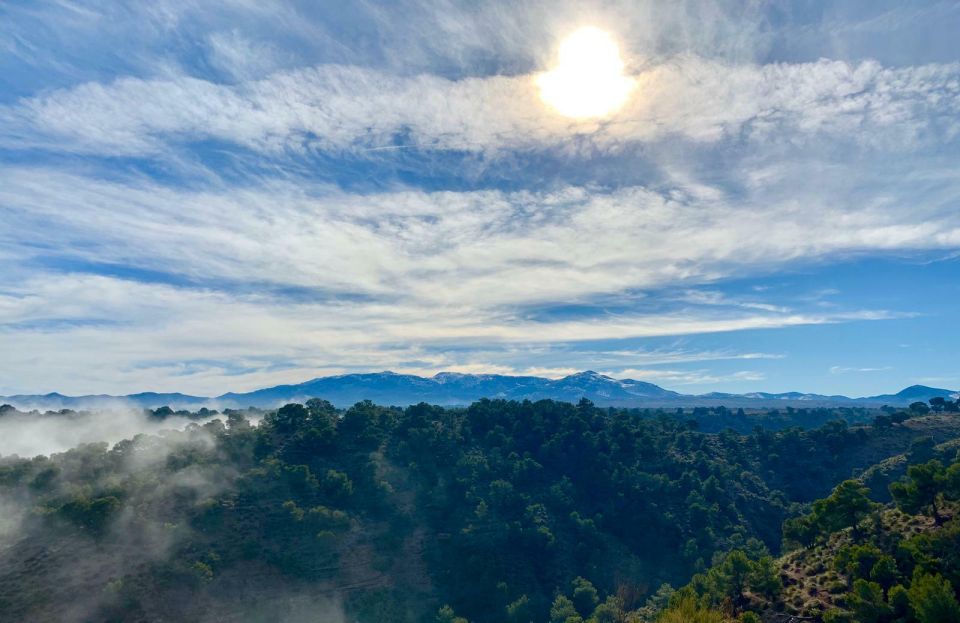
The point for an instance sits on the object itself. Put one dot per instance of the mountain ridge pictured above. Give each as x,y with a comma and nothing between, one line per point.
454,388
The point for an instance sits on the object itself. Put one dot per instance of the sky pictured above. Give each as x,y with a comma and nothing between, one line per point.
211,197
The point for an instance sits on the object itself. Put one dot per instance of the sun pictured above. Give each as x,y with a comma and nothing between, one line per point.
588,81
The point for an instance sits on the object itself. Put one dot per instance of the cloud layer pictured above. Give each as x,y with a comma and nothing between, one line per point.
335,108
290,193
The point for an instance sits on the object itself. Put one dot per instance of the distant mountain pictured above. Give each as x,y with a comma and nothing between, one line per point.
916,392
56,402
450,388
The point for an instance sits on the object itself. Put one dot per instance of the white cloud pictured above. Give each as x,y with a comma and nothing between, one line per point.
131,332
485,368
848,369
336,108
686,377
710,297
679,355
483,249
242,58
385,279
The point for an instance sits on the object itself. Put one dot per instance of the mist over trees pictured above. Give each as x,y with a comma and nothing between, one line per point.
501,511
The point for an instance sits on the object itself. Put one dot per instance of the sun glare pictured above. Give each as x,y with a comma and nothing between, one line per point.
588,80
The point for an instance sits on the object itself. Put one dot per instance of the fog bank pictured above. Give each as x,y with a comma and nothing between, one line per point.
31,434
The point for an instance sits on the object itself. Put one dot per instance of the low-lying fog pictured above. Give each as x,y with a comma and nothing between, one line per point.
33,433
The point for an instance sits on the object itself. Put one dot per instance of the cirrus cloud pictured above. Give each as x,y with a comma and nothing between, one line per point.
339,108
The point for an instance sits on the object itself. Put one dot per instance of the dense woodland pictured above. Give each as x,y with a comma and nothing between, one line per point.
499,512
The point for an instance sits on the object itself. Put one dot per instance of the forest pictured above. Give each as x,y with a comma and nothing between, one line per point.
503,511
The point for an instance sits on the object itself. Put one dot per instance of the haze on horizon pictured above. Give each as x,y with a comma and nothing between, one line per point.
205,199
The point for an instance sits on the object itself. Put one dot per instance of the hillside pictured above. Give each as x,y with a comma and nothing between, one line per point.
813,583
385,514
850,559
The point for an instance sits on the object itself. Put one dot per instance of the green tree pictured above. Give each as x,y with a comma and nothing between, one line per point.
734,574
936,551
764,577
518,611
290,417
884,572
563,610
899,600
845,507
867,602
236,423
446,615
856,561
951,482
364,425
932,599
922,449
610,611
921,489
689,610
801,531
93,515
585,597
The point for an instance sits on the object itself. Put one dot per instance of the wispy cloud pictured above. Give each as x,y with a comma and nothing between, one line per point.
687,377
322,280
336,108
848,369
708,297
678,355
484,248
67,330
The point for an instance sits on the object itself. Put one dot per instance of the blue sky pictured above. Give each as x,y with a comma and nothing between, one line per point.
207,198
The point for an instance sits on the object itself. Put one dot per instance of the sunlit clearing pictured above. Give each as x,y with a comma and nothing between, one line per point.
588,80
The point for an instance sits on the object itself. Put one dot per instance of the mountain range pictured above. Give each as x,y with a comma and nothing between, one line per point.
450,388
